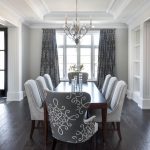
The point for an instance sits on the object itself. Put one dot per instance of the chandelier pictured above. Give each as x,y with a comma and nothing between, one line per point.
75,30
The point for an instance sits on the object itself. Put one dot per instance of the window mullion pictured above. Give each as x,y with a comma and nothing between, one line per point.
78,56
65,59
92,56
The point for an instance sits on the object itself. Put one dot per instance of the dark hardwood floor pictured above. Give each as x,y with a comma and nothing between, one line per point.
15,128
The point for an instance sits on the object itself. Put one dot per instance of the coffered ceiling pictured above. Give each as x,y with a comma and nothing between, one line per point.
36,12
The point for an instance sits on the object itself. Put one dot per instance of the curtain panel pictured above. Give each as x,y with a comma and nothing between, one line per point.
106,55
49,57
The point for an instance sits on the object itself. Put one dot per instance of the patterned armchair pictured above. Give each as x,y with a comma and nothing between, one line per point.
84,76
66,114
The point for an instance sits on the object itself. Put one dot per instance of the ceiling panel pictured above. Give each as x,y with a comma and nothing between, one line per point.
83,5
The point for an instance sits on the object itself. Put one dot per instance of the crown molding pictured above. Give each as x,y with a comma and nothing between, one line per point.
97,25
9,15
118,7
112,3
81,15
45,6
39,7
142,15
33,6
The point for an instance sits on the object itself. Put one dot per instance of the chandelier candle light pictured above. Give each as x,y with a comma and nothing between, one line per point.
75,30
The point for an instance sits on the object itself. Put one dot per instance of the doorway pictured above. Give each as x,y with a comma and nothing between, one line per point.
3,62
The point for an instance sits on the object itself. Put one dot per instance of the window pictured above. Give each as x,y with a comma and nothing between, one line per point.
3,61
86,53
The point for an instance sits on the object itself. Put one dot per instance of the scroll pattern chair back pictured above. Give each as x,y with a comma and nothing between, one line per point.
41,84
110,88
84,76
48,82
105,84
35,103
66,113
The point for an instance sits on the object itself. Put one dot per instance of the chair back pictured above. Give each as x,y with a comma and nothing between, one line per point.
66,112
118,97
34,100
48,82
105,84
110,88
41,84
84,76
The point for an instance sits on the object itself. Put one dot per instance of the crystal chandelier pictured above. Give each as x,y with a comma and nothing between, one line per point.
75,30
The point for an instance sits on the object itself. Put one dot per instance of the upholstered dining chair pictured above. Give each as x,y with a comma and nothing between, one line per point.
66,115
84,76
41,84
48,81
35,103
110,89
114,112
105,84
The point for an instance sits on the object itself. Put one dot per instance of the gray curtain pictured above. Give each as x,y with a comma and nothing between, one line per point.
49,58
106,55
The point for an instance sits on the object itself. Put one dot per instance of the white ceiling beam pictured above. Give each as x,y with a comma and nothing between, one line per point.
111,4
45,6
121,8
8,14
33,5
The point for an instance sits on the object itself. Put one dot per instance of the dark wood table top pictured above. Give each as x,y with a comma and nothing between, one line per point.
97,99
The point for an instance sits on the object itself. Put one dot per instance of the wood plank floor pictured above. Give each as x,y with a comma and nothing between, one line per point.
15,128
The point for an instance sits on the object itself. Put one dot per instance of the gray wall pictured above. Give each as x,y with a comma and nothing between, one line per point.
25,54
121,53
35,52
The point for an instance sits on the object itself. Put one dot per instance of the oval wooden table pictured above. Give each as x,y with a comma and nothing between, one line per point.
97,99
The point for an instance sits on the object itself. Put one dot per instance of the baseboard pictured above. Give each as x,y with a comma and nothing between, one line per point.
144,103
24,94
129,94
15,96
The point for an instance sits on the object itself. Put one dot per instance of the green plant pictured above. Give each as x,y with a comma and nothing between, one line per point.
75,68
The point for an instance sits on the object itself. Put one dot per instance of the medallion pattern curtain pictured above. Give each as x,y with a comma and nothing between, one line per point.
106,55
49,58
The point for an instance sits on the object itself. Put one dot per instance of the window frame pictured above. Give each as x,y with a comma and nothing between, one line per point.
65,46
3,92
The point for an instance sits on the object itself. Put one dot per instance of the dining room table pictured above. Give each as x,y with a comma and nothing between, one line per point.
97,99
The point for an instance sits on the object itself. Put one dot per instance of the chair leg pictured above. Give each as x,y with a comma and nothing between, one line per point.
113,124
32,128
118,130
54,144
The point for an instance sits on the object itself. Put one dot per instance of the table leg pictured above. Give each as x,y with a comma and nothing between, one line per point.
104,118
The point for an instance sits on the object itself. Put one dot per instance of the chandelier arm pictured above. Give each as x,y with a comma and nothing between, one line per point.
69,34
87,29
76,31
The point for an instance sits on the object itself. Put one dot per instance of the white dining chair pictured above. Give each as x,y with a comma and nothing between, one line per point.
41,84
35,103
48,81
105,84
110,89
114,112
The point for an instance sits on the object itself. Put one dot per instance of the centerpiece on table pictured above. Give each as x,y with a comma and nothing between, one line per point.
74,72
74,68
